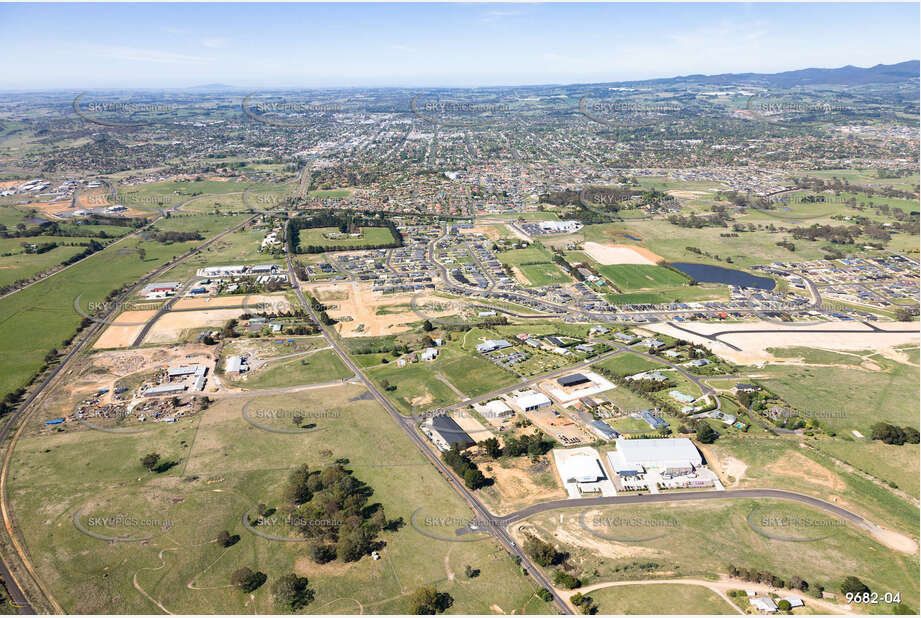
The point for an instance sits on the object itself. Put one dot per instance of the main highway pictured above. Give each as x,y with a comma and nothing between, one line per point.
408,426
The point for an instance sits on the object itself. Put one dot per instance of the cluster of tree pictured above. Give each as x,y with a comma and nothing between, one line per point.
465,468
718,219
585,603
532,445
892,434
427,601
38,249
245,579
291,592
345,223
169,237
542,552
766,577
906,314
705,433
842,185
330,507
566,580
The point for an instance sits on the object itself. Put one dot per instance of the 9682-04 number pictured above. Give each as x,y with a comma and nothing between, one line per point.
873,598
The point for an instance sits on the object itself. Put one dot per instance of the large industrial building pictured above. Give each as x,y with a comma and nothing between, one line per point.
667,456
445,433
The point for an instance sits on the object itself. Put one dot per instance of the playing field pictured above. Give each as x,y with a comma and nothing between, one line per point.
641,276
329,237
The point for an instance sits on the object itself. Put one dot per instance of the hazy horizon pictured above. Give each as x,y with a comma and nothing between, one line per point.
86,47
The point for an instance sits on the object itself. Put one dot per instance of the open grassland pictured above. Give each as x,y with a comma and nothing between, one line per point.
21,265
423,384
313,368
701,539
671,242
224,466
846,398
41,317
627,364
659,599
798,463
159,195
241,247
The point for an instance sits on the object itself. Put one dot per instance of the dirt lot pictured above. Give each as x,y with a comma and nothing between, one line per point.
123,330
170,327
274,302
104,369
621,254
518,485
51,209
755,345
361,304
552,425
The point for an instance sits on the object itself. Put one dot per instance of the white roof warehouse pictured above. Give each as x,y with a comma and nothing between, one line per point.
656,453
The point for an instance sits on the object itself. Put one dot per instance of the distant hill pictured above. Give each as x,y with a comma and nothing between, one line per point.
844,76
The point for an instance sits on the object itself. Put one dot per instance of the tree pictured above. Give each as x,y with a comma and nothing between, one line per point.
706,434
783,605
297,419
545,595
247,580
427,326
565,580
471,572
492,448
541,552
225,539
425,600
853,585
150,461
291,592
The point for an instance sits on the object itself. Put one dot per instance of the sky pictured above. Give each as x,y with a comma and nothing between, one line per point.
86,46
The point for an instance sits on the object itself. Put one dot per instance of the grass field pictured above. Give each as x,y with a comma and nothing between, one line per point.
536,264
418,383
641,276
370,236
41,317
225,466
314,368
700,539
627,364
781,462
659,599
544,274
23,265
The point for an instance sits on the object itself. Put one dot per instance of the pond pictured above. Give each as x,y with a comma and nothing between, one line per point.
705,273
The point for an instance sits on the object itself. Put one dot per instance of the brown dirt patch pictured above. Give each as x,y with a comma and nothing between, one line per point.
621,254
356,306
801,467
171,326
120,335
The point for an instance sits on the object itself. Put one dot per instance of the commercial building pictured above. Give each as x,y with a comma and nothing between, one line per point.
235,364
573,380
165,389
491,345
603,430
445,433
531,401
667,456
494,409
